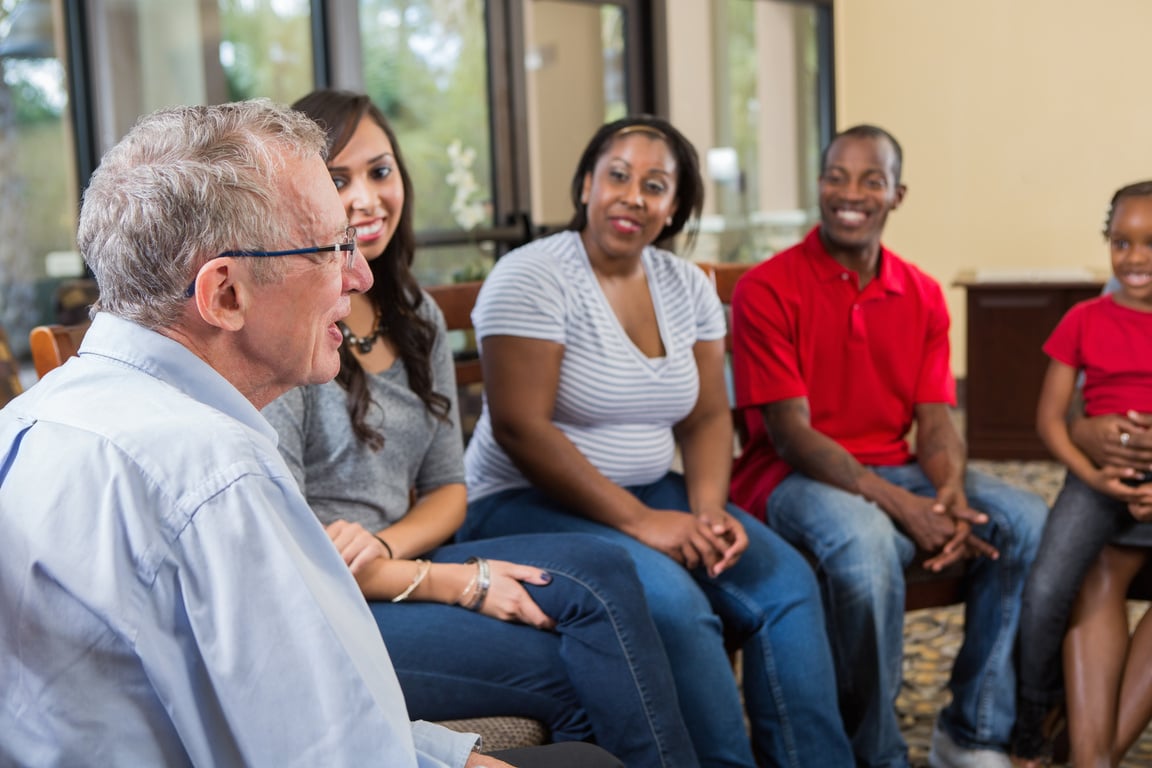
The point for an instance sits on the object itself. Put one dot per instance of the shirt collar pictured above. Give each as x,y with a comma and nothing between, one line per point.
827,269
170,361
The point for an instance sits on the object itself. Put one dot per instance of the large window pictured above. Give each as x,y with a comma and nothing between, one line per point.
426,66
491,100
772,106
147,54
38,188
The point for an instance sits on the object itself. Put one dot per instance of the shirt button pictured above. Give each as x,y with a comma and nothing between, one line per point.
843,275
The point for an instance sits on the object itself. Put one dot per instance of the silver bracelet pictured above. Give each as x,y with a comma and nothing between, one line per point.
483,581
422,568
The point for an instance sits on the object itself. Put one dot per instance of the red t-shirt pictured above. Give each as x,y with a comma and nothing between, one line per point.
1113,346
801,327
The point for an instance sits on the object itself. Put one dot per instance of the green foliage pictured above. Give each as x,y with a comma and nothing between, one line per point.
31,105
425,66
270,51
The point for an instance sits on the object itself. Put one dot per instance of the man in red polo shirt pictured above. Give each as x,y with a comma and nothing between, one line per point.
840,348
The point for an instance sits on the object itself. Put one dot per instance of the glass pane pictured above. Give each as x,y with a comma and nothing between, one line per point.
154,53
576,81
38,190
768,144
425,66
266,48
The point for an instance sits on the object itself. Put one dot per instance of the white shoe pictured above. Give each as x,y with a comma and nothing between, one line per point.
946,753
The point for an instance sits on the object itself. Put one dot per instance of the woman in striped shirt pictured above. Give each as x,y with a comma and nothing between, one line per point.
603,355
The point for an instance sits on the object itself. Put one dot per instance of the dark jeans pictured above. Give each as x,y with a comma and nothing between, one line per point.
602,674
1081,522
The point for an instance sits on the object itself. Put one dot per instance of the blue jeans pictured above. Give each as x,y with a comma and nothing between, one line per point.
768,604
861,556
1082,521
601,674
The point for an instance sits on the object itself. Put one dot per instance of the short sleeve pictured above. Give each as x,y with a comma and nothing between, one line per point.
935,382
711,323
1063,345
765,357
523,296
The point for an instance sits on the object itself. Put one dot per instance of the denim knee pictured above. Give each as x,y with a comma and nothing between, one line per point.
855,543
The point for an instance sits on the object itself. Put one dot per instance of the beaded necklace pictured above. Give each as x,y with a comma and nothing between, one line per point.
363,344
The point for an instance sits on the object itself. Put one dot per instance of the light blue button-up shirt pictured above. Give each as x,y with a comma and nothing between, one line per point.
166,595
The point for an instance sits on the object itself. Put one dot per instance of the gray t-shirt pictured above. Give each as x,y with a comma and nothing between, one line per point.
340,476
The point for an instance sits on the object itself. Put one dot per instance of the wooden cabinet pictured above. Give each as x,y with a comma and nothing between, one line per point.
1008,322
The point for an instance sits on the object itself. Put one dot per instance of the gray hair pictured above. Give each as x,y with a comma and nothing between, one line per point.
185,184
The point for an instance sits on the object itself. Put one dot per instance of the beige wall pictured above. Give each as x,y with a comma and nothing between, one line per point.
1019,119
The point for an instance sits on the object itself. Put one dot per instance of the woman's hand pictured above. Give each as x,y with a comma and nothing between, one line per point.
507,599
725,534
1108,481
711,540
1115,440
356,544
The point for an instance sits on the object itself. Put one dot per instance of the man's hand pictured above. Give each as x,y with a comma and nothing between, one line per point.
1115,440
942,525
952,501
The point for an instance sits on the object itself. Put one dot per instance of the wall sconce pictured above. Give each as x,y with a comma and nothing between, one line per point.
30,32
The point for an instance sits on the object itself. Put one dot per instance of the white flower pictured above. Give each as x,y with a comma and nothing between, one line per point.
468,207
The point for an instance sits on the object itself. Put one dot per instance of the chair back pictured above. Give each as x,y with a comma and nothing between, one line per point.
53,344
456,301
10,385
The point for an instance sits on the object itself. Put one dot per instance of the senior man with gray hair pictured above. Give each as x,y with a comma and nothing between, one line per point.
168,597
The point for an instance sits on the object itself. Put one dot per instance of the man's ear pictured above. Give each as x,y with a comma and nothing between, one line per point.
901,190
222,297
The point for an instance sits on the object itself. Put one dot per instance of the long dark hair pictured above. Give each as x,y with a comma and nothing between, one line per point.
394,292
689,183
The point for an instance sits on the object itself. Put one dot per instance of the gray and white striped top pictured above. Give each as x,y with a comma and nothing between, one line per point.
615,405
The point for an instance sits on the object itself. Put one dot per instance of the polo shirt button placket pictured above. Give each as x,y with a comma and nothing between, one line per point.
857,322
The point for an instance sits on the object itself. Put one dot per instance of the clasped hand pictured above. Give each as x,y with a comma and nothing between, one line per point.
1121,446
712,539
943,525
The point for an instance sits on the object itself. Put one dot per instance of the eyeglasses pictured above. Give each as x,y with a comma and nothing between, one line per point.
345,244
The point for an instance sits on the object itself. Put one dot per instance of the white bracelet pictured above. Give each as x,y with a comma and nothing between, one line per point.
422,568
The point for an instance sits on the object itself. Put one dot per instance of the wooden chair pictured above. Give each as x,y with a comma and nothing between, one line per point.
456,301
53,344
10,385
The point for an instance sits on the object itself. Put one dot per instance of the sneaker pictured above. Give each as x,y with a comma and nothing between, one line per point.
946,753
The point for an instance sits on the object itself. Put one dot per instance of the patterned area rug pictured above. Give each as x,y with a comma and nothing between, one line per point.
932,637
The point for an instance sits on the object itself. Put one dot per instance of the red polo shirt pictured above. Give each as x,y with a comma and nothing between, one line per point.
1112,344
801,327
